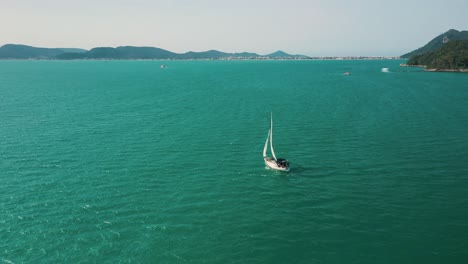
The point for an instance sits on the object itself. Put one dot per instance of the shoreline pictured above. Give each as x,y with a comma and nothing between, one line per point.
435,69
447,70
213,59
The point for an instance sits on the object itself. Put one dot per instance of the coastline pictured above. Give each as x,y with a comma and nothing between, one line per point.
435,69
204,59
447,70
211,59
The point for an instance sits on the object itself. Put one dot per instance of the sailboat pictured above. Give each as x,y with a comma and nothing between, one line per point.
273,162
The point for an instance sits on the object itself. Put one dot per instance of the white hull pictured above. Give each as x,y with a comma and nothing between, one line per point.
271,163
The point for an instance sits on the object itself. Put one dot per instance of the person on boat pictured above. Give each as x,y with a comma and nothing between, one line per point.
282,163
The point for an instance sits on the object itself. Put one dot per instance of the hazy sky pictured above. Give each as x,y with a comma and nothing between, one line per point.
309,27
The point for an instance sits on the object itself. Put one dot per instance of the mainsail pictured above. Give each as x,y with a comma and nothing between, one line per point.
271,137
266,145
274,163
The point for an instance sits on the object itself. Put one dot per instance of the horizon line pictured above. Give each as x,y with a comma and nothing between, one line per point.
278,50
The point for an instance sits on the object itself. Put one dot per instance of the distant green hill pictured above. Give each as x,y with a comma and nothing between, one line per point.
12,51
451,56
246,55
129,52
73,50
278,54
438,42
211,54
71,56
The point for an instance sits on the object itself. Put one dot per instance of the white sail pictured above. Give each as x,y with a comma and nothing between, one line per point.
266,145
271,137
273,163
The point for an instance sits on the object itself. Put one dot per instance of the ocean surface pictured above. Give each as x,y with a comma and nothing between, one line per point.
126,162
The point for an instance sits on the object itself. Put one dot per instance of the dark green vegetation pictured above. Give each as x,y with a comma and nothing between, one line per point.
453,55
11,51
438,42
446,52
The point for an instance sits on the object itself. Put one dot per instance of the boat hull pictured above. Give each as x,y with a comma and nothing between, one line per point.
271,163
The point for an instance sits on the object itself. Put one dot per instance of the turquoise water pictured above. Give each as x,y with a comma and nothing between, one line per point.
125,162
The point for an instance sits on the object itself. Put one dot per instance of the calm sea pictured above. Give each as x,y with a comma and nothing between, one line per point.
126,162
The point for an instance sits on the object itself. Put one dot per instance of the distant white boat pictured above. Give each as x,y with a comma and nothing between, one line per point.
273,162
163,66
347,73
385,70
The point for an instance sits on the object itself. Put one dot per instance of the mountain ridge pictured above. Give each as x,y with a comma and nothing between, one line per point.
452,56
20,51
438,42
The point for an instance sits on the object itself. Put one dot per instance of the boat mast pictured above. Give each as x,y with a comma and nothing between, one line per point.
266,145
271,136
